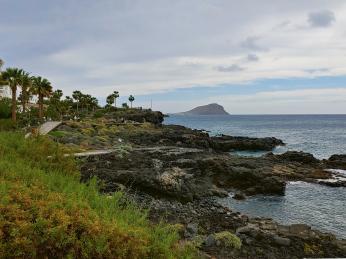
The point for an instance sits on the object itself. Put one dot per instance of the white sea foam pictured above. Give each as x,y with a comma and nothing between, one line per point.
337,171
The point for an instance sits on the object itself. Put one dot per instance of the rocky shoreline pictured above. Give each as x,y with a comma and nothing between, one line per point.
176,173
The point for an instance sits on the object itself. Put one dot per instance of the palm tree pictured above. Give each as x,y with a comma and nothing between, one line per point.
115,95
2,82
110,100
12,78
131,99
77,95
43,88
94,103
56,105
26,84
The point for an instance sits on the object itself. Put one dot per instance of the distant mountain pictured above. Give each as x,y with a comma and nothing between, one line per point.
210,109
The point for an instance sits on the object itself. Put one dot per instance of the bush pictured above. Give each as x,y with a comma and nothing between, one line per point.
46,212
312,249
99,113
228,239
5,108
7,125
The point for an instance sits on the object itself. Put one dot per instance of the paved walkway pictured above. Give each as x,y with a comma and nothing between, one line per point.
46,127
94,152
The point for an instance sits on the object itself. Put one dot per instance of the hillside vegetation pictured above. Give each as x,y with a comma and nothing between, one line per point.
45,212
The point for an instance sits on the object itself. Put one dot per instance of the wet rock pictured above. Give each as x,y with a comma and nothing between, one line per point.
296,156
227,143
338,183
282,241
336,162
239,196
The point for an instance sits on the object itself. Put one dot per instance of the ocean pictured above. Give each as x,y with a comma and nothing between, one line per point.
322,207
320,135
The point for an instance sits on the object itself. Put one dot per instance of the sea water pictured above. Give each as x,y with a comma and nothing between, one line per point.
322,207
320,135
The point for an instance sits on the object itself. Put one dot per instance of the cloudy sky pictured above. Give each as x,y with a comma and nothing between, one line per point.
268,56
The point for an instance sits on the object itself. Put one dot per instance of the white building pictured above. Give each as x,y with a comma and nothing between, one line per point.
5,91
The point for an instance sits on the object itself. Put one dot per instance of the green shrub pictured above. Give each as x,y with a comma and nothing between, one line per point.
228,239
312,249
5,108
99,113
45,212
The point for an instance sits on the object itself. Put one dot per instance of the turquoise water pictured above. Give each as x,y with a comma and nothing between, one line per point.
320,135
322,207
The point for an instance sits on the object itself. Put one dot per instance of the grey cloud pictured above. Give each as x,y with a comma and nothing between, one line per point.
127,43
284,24
252,57
323,18
317,70
231,68
251,43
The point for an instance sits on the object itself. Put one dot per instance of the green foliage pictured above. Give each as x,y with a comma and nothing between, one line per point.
5,108
7,125
30,117
84,102
57,107
99,113
228,239
111,99
45,212
312,249
57,134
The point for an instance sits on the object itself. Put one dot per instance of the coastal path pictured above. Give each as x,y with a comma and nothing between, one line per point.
46,127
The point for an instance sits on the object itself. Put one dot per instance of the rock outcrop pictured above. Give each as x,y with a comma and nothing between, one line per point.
191,173
227,143
336,162
143,134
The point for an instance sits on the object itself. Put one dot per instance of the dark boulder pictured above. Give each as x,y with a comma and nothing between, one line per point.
239,196
297,156
227,143
336,162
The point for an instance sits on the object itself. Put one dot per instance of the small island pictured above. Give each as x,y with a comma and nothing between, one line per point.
209,109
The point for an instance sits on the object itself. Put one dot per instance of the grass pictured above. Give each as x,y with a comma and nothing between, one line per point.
46,212
7,125
57,134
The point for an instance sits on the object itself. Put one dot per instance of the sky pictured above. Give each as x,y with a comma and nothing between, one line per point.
252,57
